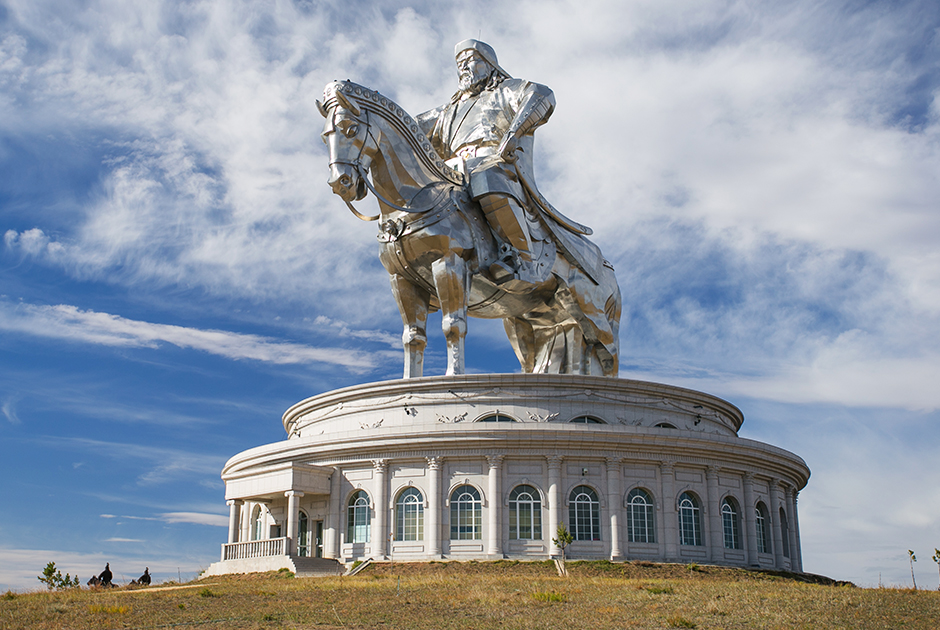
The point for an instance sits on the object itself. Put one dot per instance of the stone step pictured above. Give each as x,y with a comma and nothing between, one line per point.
316,567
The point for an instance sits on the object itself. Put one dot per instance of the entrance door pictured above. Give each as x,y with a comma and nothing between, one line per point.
318,553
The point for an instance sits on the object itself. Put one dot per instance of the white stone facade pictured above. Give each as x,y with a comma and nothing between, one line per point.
420,469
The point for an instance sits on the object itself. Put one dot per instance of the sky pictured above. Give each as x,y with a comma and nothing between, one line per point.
176,272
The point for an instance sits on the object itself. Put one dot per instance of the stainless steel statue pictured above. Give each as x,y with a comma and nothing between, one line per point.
462,226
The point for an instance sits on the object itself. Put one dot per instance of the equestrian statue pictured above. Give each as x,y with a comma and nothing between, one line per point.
463,227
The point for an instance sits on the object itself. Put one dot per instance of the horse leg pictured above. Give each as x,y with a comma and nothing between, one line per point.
452,283
413,305
576,298
522,338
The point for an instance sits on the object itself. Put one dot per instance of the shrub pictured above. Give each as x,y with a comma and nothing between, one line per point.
53,579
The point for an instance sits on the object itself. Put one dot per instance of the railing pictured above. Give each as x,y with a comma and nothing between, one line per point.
255,549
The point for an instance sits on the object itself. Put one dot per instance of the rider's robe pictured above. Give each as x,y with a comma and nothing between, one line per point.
467,133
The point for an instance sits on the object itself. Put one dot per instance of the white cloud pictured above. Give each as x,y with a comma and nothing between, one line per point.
73,324
197,518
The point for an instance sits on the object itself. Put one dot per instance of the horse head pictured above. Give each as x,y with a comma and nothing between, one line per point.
347,134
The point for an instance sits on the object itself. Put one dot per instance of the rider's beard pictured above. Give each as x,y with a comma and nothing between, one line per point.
473,83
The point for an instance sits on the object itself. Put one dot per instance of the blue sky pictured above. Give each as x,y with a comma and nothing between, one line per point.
176,272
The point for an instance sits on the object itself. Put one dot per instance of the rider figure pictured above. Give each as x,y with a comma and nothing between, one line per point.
486,131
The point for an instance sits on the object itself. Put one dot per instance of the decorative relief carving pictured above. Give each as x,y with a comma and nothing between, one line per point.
451,419
371,425
535,417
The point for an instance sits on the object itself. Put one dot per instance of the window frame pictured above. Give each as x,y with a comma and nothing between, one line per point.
641,513
584,516
534,507
354,510
409,515
730,524
462,528
690,520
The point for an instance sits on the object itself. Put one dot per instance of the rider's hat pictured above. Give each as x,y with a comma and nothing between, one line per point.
483,49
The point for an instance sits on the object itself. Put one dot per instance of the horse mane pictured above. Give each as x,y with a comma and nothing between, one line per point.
391,112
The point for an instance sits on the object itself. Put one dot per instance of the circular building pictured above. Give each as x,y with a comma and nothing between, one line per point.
488,466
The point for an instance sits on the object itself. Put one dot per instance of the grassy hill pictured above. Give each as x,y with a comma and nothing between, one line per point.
502,594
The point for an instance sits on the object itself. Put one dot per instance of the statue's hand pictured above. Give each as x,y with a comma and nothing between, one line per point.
508,148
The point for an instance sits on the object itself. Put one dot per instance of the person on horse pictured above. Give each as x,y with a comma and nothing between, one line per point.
486,132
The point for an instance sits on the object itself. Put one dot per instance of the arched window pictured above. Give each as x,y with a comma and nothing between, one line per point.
496,417
641,527
525,514
466,514
358,518
586,420
303,535
664,425
409,515
763,528
584,514
785,530
690,520
257,523
730,524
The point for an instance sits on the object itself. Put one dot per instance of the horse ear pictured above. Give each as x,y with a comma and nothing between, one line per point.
321,109
346,103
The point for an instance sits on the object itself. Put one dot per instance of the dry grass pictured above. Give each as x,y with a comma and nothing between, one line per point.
597,595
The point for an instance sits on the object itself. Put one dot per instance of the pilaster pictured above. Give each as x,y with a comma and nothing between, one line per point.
614,506
554,501
434,506
749,518
494,545
380,522
670,516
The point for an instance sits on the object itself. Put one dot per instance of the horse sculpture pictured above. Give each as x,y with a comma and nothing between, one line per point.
436,245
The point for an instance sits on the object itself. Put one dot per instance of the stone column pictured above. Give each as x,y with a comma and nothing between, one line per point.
749,518
379,523
293,515
670,522
234,516
334,517
554,502
246,522
791,514
434,507
776,527
494,546
614,505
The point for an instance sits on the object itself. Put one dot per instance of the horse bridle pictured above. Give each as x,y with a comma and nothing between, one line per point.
357,166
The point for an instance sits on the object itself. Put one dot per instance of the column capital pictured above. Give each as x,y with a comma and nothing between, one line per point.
749,477
613,463
667,466
554,461
293,493
380,465
494,460
434,463
231,502
712,470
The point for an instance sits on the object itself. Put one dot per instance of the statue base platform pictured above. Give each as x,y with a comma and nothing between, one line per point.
488,466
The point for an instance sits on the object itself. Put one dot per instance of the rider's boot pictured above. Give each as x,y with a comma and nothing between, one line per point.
515,270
